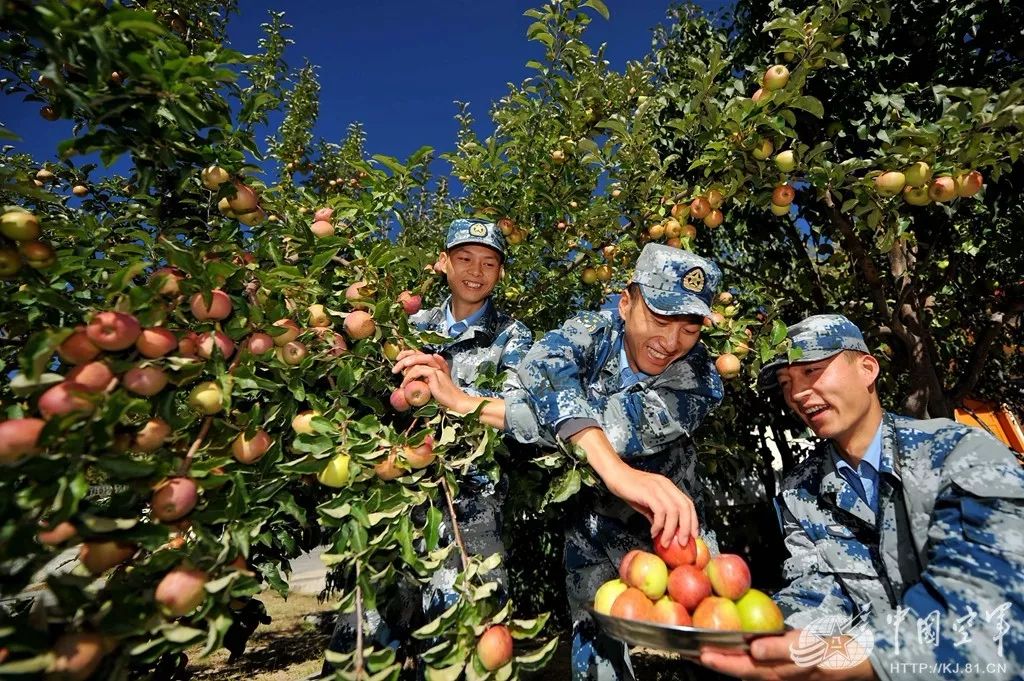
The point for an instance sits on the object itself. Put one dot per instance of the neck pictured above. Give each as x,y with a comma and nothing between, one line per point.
854,445
462,309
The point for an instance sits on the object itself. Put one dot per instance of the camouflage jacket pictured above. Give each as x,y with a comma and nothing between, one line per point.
496,339
573,373
946,550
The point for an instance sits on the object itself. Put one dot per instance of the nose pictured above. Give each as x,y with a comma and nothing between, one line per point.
474,267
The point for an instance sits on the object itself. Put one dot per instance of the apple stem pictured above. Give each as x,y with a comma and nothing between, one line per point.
455,523
196,444
411,425
359,624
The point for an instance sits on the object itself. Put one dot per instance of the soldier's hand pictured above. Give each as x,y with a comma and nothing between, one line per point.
670,512
411,358
770,659
442,388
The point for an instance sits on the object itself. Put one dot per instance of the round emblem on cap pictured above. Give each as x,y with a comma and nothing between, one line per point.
478,230
694,280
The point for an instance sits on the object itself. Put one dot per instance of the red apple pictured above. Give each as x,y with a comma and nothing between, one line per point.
714,219
717,613
213,177
356,293
100,556
290,332
56,535
398,401
166,279
417,393
648,573
942,189
152,435
410,303
38,255
218,307
703,554
675,554
495,647
700,207
301,422
783,195
156,342
113,330
19,438
759,94
389,468
181,591
77,348
688,585
668,612
632,604
174,498
75,656
258,343
145,381
64,398
969,184
729,575
324,214
244,200
318,317
624,564
322,228
890,183
94,377
292,353
728,365
188,346
252,449
359,325
215,339
421,456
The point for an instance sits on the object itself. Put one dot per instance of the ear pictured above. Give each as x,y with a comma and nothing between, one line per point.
624,304
442,259
869,368
501,273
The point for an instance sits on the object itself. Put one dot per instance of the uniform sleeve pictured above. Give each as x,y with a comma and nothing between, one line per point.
550,377
643,422
971,588
811,593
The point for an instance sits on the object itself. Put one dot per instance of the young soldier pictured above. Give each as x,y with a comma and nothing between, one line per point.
900,524
478,335
629,387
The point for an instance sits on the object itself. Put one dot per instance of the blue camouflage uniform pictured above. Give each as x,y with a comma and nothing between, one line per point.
934,568
488,337
577,377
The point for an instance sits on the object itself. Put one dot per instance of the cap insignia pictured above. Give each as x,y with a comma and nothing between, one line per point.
694,280
478,230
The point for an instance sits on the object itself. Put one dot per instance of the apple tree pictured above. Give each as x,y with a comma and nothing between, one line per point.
198,352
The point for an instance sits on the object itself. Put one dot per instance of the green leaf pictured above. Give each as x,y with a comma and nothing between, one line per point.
809,104
598,6
563,488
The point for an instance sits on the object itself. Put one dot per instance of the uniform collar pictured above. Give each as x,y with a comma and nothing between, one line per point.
872,457
455,327
626,373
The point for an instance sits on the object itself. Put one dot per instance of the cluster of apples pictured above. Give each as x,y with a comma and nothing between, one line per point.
22,227
515,234
244,206
919,188
686,586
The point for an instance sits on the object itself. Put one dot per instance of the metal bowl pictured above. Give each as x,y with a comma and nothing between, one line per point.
687,641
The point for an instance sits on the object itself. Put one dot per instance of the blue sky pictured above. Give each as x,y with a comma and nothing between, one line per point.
397,66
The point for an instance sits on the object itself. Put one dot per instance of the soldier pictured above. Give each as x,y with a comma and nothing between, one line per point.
479,336
629,388
912,529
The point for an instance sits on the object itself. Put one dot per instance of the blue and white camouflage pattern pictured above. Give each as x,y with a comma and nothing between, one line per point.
475,231
676,282
817,337
945,552
572,374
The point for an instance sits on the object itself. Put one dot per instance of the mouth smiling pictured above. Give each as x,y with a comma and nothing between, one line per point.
472,285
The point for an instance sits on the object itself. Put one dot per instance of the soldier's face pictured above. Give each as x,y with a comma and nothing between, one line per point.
654,341
472,270
832,396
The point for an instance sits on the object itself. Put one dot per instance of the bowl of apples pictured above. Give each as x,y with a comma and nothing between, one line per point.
683,599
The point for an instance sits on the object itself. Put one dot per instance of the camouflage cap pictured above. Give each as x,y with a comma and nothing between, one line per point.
818,337
475,231
676,282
